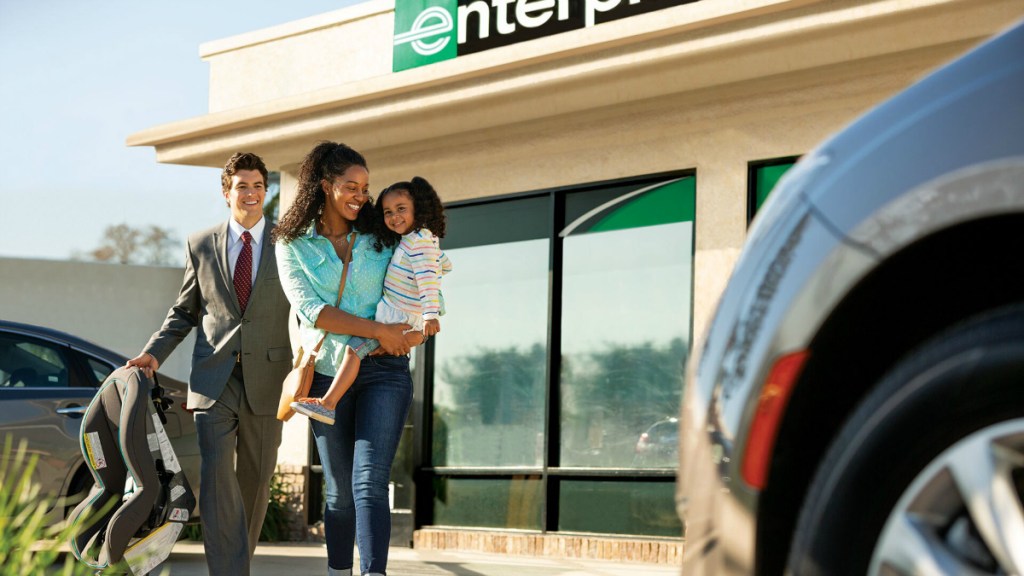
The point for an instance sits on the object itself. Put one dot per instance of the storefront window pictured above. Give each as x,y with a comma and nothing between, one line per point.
611,507
762,176
625,322
557,375
489,359
489,503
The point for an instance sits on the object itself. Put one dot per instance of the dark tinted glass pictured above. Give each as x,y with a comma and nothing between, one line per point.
489,503
609,507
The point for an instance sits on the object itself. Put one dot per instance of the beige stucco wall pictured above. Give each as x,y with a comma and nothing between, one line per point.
118,307
302,56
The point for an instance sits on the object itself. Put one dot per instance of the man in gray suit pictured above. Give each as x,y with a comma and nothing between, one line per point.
232,295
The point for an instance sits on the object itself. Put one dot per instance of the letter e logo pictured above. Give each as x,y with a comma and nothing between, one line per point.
424,32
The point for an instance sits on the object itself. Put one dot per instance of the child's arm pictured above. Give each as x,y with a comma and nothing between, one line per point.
424,256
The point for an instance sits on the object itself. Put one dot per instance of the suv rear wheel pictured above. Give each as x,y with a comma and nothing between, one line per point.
927,476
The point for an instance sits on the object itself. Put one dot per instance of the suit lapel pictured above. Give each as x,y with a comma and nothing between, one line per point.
266,262
220,246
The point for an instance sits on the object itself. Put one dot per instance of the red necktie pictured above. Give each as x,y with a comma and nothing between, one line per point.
243,271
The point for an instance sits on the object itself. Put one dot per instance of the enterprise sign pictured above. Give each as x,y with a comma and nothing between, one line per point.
428,31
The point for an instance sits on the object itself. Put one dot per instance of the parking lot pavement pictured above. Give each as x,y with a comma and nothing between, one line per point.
302,559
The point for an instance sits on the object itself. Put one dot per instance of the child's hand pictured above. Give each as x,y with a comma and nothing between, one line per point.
431,327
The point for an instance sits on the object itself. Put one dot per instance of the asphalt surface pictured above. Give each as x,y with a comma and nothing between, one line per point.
301,559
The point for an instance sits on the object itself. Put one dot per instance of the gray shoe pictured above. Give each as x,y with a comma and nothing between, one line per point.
314,411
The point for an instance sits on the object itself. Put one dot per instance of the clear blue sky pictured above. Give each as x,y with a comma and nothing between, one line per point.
79,76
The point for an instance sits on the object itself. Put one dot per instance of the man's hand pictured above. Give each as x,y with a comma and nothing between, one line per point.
146,362
431,327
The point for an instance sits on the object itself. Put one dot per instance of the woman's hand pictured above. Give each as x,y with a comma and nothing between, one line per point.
415,338
392,340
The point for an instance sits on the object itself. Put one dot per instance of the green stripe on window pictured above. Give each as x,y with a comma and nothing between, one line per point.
674,202
766,179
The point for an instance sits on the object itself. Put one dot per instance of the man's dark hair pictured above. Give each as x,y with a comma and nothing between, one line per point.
242,161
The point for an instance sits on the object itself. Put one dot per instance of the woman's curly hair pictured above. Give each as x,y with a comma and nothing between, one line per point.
426,206
326,161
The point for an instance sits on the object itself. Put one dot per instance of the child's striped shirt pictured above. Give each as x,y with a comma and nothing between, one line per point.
413,279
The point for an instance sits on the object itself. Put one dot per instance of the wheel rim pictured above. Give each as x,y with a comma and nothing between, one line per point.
963,513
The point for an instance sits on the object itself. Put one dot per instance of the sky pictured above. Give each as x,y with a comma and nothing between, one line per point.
80,76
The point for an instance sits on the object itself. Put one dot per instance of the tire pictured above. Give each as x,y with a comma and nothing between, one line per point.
79,488
895,484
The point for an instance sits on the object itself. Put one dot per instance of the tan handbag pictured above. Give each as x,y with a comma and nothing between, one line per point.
298,381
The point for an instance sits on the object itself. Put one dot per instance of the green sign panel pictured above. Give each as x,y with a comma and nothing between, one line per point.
424,32
428,31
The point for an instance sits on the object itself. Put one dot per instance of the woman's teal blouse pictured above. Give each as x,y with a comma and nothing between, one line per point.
310,271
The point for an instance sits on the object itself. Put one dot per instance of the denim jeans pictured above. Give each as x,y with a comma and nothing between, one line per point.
356,453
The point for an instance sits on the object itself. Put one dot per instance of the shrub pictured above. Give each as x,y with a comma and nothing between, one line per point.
28,545
275,525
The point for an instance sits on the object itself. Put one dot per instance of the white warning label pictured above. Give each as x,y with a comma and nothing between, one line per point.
149,552
166,451
94,449
177,492
179,515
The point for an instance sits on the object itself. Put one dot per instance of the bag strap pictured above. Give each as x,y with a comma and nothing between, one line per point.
341,289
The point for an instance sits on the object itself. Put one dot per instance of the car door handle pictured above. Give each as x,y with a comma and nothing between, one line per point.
72,410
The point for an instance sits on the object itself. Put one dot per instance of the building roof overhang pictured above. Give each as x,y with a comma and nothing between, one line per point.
676,50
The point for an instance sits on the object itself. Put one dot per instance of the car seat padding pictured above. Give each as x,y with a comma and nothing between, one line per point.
139,486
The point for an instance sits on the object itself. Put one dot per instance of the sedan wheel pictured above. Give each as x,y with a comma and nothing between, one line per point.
963,514
927,475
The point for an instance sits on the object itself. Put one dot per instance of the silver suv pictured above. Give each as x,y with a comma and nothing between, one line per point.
857,405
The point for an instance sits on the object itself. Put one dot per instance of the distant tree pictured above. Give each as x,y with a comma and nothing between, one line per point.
119,244
158,246
123,244
272,203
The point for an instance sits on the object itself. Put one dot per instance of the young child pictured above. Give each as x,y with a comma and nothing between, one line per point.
413,214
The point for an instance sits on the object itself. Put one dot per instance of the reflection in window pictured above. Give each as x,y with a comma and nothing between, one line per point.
27,363
100,370
625,321
490,357
568,312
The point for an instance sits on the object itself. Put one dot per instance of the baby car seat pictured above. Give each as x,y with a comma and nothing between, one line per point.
141,499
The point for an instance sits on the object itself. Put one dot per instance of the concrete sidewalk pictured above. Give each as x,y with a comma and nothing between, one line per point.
310,559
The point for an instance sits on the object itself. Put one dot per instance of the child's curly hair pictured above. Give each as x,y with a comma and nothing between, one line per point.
426,206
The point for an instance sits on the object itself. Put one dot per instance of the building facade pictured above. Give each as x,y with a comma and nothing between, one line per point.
600,160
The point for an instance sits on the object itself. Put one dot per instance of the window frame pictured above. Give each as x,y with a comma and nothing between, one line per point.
551,474
752,170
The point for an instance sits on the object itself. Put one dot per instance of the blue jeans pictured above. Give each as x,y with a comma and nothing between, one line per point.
356,453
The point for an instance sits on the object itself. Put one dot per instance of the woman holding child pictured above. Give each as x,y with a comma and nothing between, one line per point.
333,217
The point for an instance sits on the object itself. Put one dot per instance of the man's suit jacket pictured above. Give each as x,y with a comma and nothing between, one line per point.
208,302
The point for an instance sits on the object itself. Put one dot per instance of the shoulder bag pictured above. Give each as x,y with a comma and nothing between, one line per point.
297,383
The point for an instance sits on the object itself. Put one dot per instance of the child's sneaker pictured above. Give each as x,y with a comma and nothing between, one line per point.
315,411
